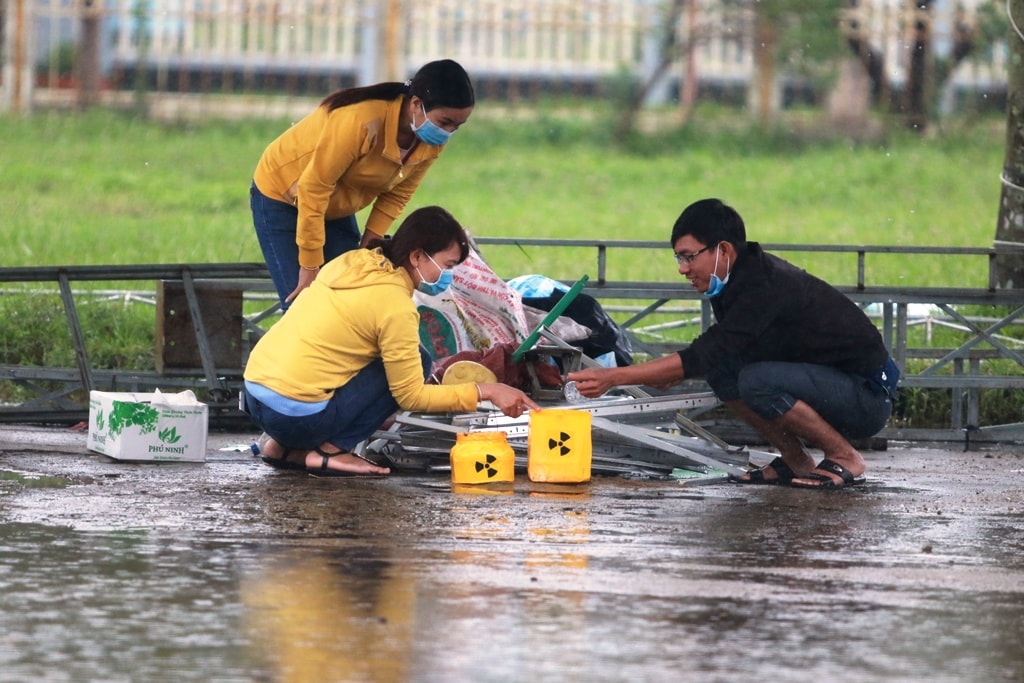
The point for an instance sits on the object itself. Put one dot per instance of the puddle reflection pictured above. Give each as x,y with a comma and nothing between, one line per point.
287,581
340,616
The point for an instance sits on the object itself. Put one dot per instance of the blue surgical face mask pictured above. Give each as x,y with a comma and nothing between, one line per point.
429,132
443,281
715,283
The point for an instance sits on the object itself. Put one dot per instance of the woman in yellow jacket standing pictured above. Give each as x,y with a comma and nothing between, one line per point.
347,355
361,146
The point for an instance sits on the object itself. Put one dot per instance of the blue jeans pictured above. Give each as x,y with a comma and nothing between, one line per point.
770,389
275,224
352,415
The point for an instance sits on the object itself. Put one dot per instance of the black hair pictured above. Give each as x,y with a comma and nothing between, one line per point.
442,83
429,228
710,221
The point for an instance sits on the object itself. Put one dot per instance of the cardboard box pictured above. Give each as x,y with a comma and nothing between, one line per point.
143,427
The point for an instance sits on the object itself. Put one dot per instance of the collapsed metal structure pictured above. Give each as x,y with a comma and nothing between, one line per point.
638,436
204,335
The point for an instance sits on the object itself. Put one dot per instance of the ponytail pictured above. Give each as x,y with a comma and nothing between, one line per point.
443,83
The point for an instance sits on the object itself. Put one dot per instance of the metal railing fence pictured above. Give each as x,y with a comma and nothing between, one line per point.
986,355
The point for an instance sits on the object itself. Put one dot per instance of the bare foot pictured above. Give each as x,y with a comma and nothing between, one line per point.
269,447
324,462
277,456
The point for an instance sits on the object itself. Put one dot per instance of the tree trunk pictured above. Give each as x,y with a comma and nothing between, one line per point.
1009,242
668,53
87,59
762,95
917,88
688,93
849,103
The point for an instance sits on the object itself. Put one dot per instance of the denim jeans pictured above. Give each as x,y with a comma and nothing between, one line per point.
770,389
352,415
275,224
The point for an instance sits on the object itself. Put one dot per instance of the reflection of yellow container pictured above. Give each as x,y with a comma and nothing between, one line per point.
482,458
559,446
502,488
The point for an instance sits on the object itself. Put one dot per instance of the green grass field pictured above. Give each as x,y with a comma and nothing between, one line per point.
103,188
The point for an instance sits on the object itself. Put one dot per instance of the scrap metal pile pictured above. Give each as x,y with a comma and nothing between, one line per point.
633,434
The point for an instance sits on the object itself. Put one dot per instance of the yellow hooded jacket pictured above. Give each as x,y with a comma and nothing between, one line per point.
334,164
359,308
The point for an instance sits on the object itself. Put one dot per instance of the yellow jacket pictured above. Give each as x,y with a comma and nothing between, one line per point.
359,308
332,165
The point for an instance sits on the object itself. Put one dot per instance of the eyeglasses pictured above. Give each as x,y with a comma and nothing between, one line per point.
688,258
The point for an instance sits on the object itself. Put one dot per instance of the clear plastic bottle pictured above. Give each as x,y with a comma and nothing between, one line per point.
571,393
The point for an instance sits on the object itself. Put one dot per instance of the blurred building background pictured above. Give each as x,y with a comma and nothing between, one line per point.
765,55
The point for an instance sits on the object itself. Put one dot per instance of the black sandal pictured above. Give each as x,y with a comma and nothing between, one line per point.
282,463
847,477
325,471
783,474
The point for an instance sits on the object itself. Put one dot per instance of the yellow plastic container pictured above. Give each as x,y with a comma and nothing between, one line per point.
482,458
559,447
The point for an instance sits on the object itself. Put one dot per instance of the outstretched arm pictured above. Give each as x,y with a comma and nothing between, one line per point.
509,400
662,372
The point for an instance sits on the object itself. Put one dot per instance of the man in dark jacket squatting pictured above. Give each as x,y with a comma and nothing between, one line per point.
789,353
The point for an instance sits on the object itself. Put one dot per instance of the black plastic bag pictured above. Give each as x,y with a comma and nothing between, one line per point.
605,335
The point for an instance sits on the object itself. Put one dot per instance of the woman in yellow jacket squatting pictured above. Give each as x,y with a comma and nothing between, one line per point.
347,355
361,146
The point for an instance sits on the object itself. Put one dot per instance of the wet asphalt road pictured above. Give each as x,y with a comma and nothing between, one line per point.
231,571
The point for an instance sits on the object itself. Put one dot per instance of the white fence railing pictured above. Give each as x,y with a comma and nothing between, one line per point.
363,41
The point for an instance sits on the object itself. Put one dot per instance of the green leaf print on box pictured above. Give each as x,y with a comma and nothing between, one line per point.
125,414
169,435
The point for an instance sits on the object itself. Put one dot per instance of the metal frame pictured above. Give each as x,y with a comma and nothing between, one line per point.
71,402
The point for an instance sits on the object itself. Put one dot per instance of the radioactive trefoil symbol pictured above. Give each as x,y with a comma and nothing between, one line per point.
559,443
486,465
